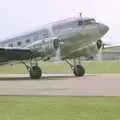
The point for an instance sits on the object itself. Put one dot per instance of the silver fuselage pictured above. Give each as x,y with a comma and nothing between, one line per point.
74,36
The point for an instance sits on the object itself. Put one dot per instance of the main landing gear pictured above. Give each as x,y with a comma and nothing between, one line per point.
35,71
77,68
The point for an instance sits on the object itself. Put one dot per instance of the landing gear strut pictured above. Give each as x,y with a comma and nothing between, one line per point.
77,68
35,71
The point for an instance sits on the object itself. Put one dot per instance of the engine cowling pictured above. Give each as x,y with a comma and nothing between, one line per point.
94,48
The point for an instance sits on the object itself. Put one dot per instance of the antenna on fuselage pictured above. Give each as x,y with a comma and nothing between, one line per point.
81,17
80,14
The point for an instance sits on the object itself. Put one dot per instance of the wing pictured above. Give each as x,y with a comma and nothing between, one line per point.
10,54
111,49
32,50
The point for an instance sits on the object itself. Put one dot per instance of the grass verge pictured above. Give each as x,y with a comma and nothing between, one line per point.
91,67
59,108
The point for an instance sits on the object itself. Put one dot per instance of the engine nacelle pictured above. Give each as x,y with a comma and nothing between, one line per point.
93,49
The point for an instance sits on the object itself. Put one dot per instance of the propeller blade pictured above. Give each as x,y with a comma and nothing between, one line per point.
58,55
58,52
99,55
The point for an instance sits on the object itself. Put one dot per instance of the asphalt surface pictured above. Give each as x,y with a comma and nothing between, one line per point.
60,84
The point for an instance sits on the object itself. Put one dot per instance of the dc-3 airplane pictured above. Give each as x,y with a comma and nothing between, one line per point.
66,39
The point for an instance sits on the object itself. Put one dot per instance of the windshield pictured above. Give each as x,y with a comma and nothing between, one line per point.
85,22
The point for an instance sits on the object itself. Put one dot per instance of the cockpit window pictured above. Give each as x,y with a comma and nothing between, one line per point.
85,22
89,21
72,24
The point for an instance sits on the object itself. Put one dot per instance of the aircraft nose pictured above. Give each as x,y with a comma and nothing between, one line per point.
103,28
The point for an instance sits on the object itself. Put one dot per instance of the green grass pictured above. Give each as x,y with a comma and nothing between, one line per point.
59,108
47,67
103,67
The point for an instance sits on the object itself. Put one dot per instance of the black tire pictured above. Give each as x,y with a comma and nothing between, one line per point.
35,72
79,71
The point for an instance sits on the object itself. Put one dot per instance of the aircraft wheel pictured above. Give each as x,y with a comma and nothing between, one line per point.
79,71
35,72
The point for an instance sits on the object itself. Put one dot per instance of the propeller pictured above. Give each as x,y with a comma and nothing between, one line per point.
99,55
100,46
58,55
57,46
81,16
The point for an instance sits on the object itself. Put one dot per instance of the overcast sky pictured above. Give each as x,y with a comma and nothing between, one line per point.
17,16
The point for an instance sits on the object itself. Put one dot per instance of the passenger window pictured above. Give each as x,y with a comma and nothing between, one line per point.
44,33
36,38
19,43
10,45
28,41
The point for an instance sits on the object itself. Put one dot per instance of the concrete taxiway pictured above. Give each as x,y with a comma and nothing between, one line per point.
60,84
